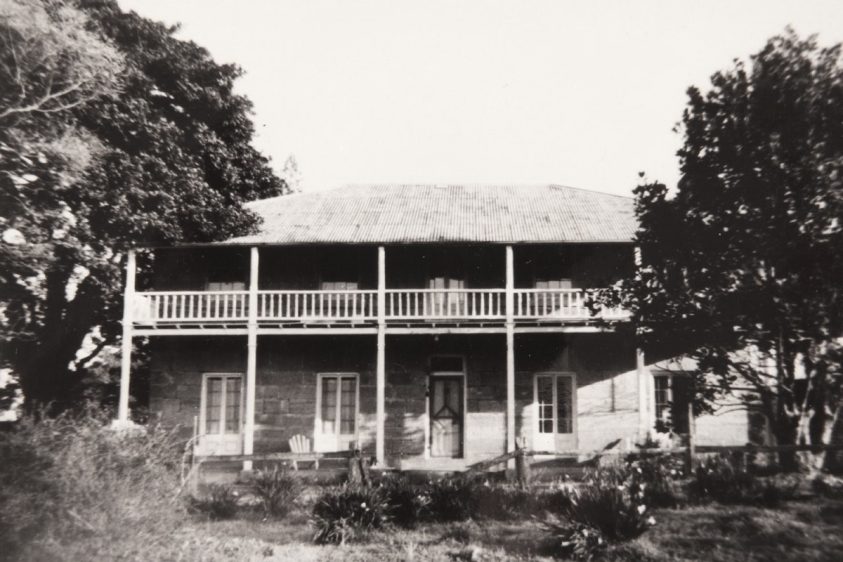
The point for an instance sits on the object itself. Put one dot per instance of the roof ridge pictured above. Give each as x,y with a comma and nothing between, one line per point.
393,185
589,190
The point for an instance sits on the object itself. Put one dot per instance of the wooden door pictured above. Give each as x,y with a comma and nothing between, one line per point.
446,416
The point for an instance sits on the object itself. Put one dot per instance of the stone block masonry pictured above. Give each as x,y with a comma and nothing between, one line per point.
288,368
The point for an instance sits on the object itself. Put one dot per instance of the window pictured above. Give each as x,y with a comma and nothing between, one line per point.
339,285
564,405
337,409
553,284
222,404
447,298
545,403
552,299
225,286
673,394
555,402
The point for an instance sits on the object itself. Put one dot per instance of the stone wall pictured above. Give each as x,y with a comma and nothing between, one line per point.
287,367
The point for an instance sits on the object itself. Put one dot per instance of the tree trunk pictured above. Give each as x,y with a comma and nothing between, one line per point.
785,424
834,436
43,365
785,430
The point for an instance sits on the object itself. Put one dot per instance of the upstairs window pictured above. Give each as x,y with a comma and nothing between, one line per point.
225,286
338,285
553,284
446,298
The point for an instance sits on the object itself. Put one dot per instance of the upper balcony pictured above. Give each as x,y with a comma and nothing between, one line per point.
358,307
422,286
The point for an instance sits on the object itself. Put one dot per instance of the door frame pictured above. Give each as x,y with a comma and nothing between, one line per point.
210,448
428,396
317,419
575,412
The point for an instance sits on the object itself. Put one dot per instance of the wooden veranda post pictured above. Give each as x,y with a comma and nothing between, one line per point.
380,408
692,447
126,350
644,424
522,463
251,359
644,421
510,350
643,389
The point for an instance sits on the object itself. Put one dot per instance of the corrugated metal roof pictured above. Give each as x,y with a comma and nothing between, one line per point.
385,214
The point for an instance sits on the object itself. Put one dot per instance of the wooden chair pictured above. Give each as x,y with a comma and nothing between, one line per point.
300,445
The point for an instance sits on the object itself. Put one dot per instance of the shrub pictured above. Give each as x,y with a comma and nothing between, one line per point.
720,480
828,486
349,513
408,503
608,507
556,500
715,478
774,492
74,489
659,476
220,503
506,502
614,508
457,499
276,490
454,498
576,541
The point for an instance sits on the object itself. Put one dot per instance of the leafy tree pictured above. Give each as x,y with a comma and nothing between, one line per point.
167,160
291,175
741,270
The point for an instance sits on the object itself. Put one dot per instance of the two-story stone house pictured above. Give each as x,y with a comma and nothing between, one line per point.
430,324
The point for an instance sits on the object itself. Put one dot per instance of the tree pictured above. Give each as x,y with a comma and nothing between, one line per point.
170,160
291,175
50,64
741,270
49,61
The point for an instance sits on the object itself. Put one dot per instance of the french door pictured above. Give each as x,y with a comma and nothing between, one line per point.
442,302
446,415
221,414
337,401
555,426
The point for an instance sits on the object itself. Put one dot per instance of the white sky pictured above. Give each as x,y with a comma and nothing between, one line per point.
579,93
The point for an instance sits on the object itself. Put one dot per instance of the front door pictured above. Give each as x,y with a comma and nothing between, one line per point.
555,428
446,416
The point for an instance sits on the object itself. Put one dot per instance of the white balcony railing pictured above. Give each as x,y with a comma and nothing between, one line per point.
433,304
222,307
317,305
558,304
191,306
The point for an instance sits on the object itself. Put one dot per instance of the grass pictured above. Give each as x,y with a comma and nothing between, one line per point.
73,490
799,530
